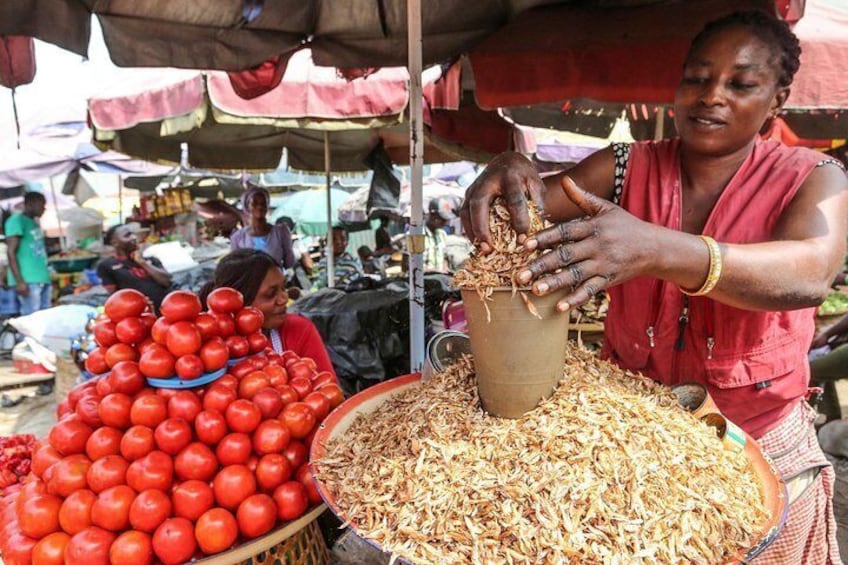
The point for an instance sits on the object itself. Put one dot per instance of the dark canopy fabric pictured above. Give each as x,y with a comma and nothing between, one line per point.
238,34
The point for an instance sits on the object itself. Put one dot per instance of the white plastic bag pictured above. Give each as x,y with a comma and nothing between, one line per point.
53,328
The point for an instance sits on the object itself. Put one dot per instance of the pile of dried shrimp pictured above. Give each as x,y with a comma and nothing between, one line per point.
607,470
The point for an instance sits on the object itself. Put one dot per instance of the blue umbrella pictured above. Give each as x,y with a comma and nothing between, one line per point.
308,209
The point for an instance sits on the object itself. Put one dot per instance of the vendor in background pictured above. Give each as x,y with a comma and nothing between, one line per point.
275,240
28,272
382,238
829,367
345,266
439,214
735,314
260,279
128,269
299,247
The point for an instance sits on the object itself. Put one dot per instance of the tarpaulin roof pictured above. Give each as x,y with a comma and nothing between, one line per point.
635,54
238,34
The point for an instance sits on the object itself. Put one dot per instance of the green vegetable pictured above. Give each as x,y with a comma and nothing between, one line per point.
835,303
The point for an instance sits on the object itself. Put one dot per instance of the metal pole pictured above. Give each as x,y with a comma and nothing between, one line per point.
56,210
331,279
415,239
120,199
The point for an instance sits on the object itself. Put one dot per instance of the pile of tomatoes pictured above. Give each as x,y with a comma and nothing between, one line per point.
184,342
134,474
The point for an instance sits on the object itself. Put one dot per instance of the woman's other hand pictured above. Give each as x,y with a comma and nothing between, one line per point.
605,247
511,176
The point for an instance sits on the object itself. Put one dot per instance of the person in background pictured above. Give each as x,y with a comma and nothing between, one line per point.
345,266
260,279
715,248
382,238
259,234
28,272
299,247
830,366
129,269
439,213
366,258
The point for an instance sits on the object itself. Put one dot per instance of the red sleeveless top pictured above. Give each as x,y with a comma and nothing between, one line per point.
753,363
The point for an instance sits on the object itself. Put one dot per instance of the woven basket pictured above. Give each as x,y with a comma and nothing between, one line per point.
306,547
67,375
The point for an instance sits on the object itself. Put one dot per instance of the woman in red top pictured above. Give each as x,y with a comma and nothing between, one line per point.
736,315
260,279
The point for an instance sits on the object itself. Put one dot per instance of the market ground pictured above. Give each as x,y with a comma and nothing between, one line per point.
35,414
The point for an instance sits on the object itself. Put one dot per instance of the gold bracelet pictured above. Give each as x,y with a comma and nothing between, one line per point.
714,273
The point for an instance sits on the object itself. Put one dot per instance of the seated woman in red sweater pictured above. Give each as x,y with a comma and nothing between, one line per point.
260,279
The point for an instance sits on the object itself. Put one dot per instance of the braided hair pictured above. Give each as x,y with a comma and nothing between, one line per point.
769,29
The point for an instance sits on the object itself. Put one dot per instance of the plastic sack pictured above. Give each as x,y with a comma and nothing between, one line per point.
53,328
173,255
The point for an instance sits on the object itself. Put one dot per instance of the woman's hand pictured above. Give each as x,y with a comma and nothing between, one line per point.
820,340
606,247
511,176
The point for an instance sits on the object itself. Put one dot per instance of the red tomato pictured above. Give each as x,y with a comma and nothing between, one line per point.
89,547
272,471
301,385
276,374
87,411
225,300
192,498
153,471
299,419
196,461
183,338
242,368
291,499
67,475
150,411
323,378
289,356
207,325
252,383
243,416
95,363
238,346
287,394
310,362
18,549
257,341
249,320
210,427
104,333
107,472
159,331
256,515
214,354
189,367
259,362
114,410
174,542
132,547
75,514
157,362
219,398
131,331
111,510
125,303
120,352
233,484
46,455
319,404
81,391
216,531
296,453
51,549
39,515
102,442
304,477
103,386
137,442
127,378
149,318
69,436
226,324
333,393
299,369
234,449
180,305
228,381
145,345
172,435
184,404
268,401
271,436
149,509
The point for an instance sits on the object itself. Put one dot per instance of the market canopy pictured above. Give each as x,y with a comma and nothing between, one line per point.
238,34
